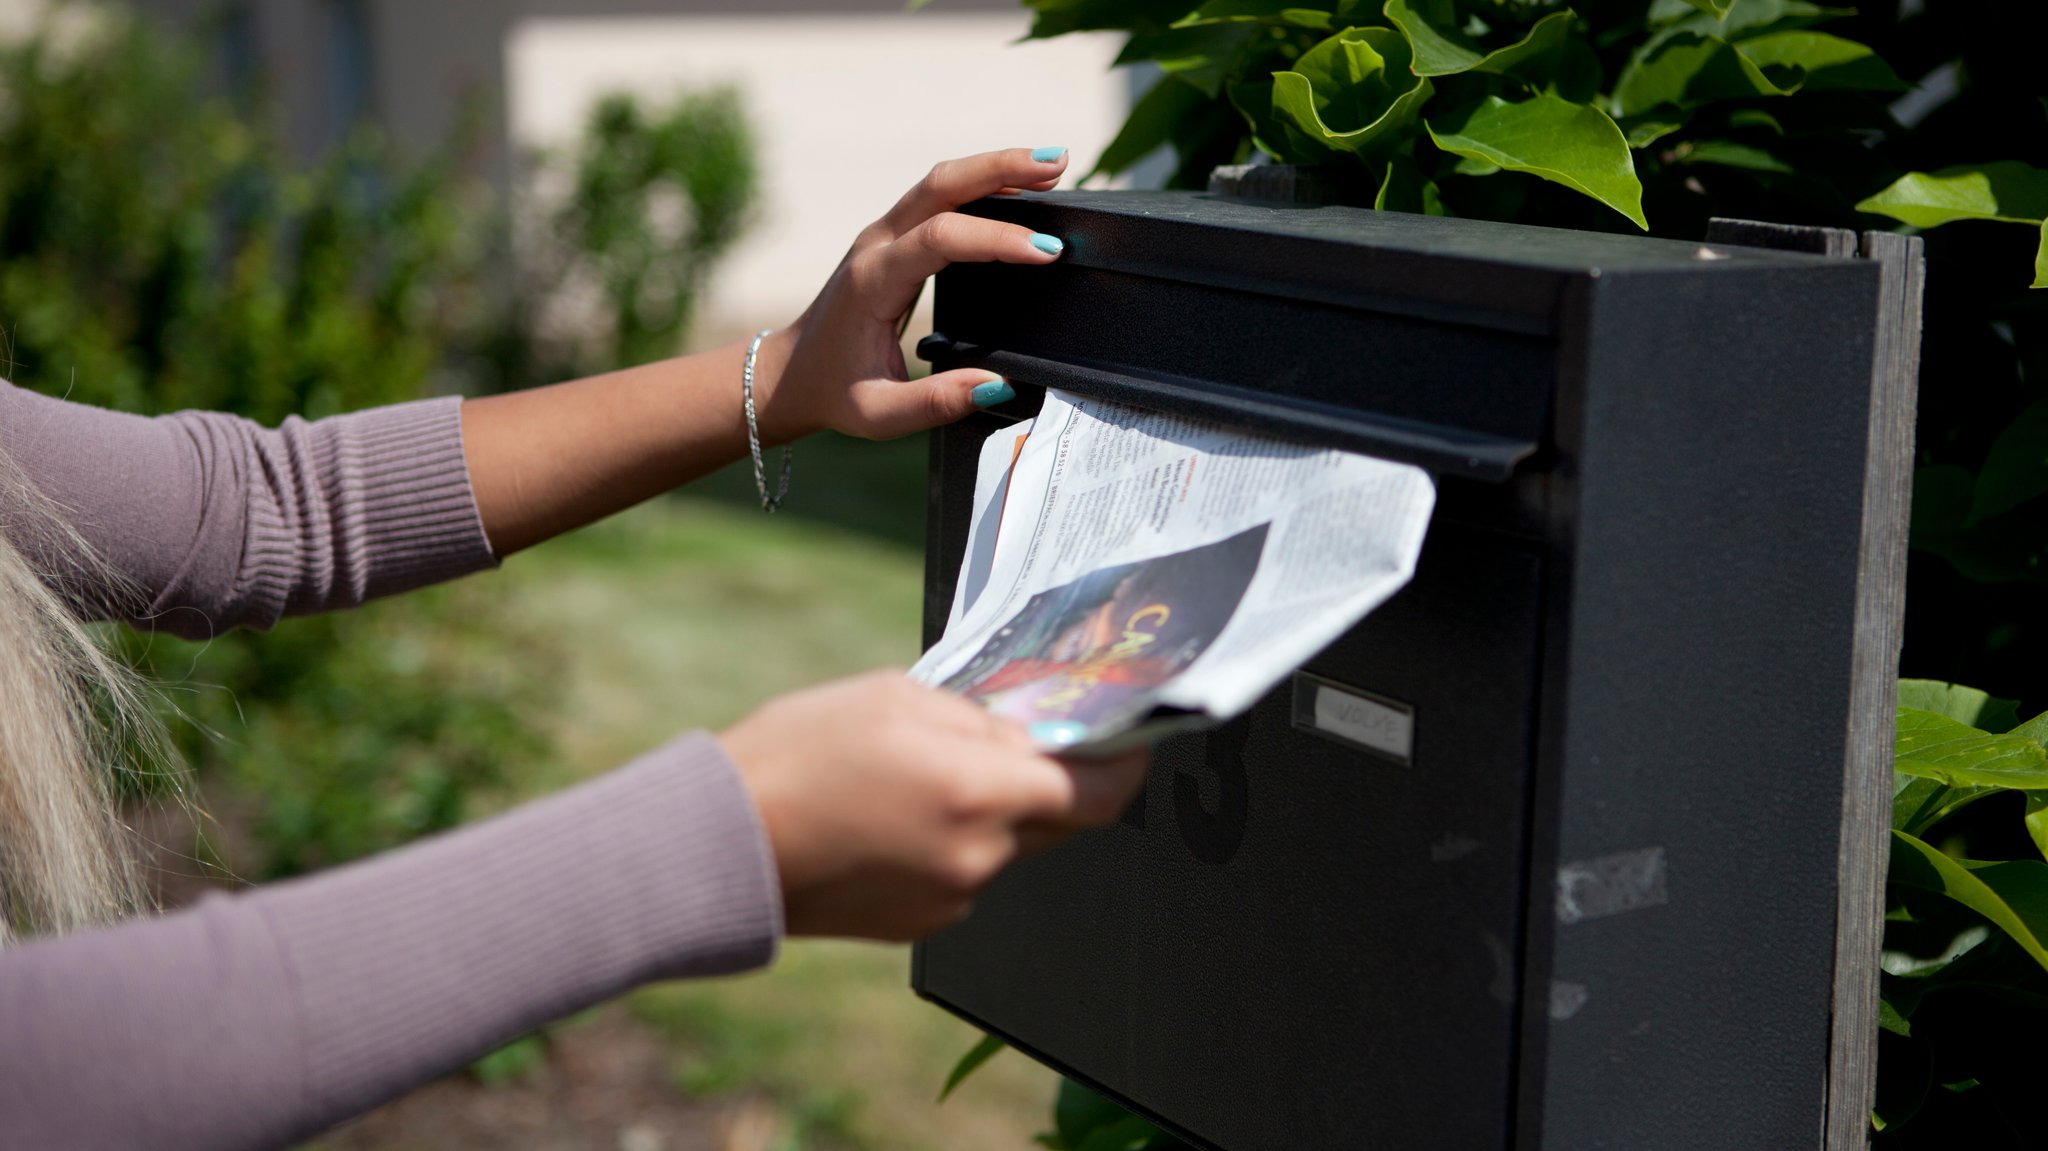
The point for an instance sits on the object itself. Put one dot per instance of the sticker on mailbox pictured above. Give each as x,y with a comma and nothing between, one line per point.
1355,718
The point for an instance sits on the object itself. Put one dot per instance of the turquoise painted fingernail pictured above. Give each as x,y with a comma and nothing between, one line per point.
994,391
1057,733
1047,155
1050,245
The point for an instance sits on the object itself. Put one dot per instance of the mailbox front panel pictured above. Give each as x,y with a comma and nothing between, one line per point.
1653,461
1285,909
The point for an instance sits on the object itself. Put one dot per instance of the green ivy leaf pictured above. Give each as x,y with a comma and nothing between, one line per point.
1185,40
2016,470
1903,1087
1643,133
1889,1019
1405,189
1150,125
2037,821
2035,729
1440,48
1818,62
1127,1134
984,1050
1352,92
1267,12
1756,118
2006,190
1571,144
1918,804
1684,67
1203,55
1715,8
1254,101
1965,705
1078,1113
1689,69
1936,747
1543,42
1058,17
1745,17
1730,154
2011,894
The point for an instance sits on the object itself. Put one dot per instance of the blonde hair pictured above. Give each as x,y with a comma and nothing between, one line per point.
73,720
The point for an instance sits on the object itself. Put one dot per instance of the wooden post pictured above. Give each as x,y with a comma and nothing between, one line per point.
1880,612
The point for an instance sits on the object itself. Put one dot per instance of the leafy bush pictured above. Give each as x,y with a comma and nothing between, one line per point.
158,250
1654,115
617,259
337,736
1966,934
1085,1121
1619,114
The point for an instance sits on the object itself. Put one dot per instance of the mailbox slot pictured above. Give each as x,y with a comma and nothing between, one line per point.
1442,448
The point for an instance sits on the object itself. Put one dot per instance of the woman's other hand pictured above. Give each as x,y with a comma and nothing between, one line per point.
840,365
889,804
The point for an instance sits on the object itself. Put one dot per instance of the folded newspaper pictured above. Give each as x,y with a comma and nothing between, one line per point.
1130,573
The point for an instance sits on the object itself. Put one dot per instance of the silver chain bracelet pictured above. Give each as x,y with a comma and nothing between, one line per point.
768,503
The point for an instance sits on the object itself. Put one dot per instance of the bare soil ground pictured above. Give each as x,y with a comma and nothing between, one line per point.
604,1086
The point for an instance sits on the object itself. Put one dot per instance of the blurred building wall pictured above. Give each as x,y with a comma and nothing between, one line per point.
851,110
852,99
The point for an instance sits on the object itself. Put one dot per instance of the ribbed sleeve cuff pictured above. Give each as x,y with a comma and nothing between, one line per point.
412,964
350,508
419,521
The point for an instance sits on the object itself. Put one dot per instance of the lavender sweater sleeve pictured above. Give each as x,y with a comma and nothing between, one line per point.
220,522
253,1020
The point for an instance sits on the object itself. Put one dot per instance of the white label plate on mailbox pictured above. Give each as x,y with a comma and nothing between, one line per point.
1355,718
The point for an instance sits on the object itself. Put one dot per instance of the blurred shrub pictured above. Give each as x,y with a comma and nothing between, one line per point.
337,736
622,233
158,250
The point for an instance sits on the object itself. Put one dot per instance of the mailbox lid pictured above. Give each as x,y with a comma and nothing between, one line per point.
1477,272
1414,338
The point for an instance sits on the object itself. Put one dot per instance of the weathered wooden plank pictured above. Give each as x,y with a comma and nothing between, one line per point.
1880,615
1292,183
1840,242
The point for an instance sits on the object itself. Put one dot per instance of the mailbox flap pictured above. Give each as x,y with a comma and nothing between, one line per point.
1476,273
1439,448
1437,342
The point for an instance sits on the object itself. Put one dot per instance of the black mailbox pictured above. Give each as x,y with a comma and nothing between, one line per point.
1594,897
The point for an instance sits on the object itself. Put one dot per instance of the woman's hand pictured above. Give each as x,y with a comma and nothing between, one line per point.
546,460
840,365
889,805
